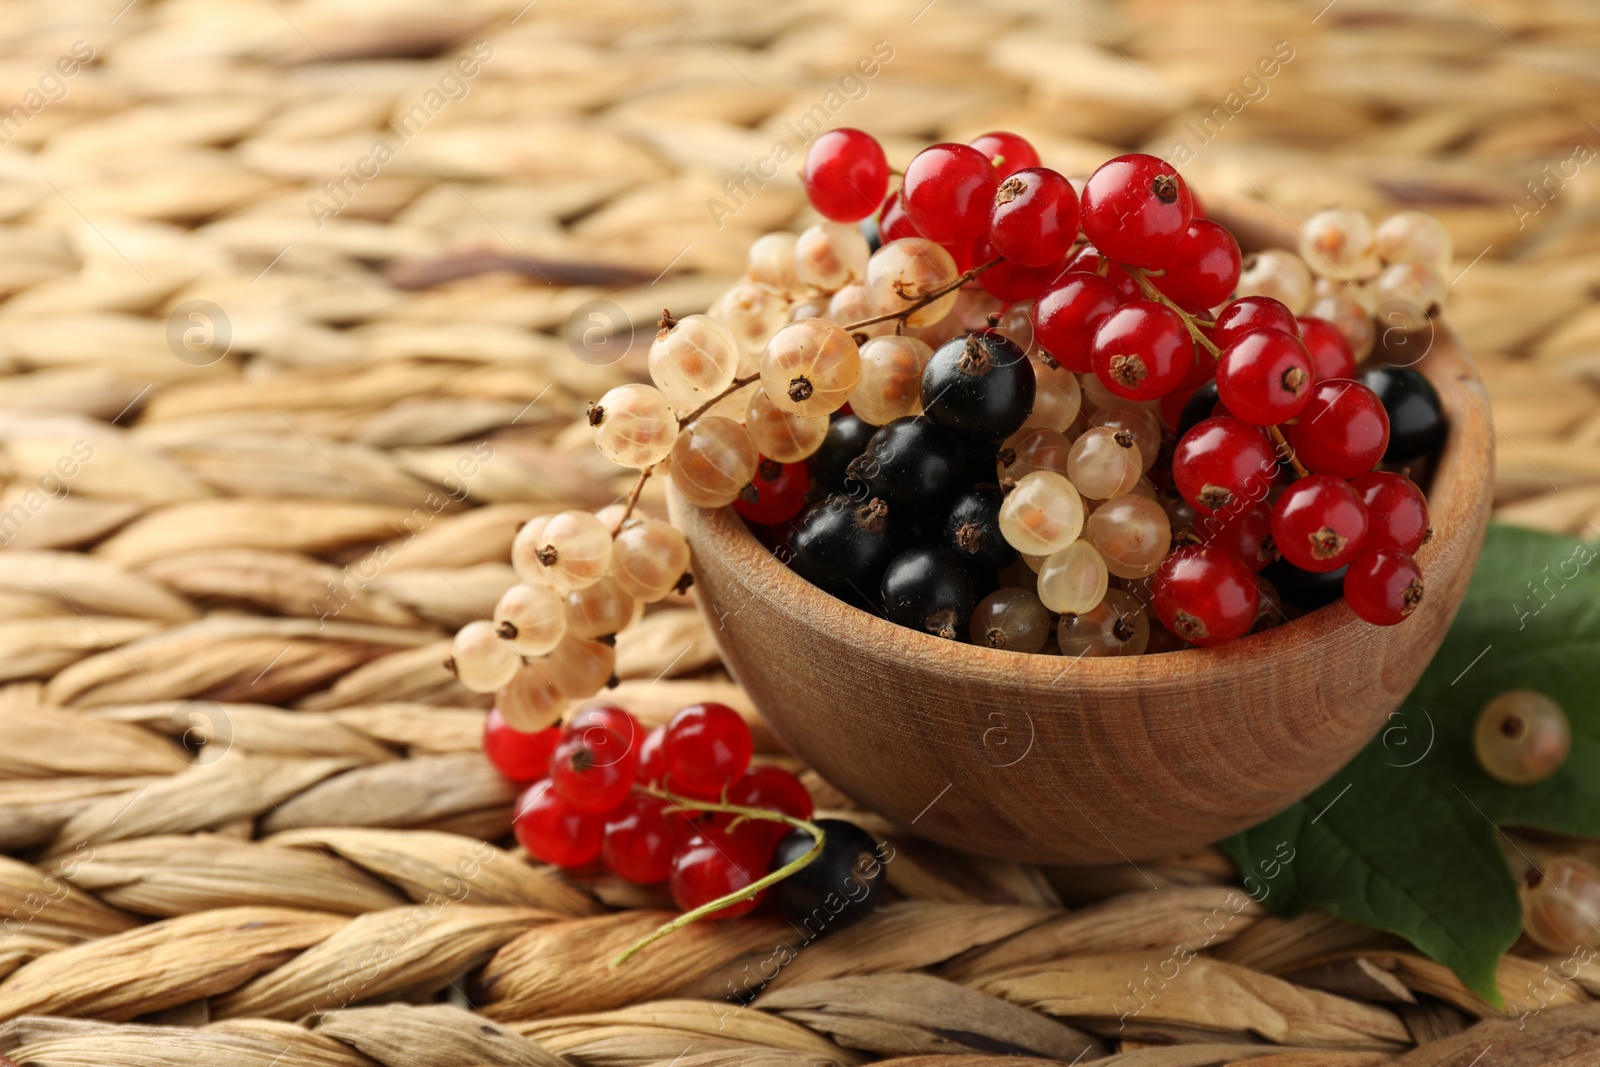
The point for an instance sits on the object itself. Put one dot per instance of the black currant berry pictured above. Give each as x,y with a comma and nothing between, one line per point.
972,529
910,463
979,387
1416,418
842,547
842,886
926,588
1303,589
1197,408
869,230
846,439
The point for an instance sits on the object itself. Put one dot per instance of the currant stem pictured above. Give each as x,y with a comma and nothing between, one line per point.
1287,452
1191,322
749,891
737,384
926,299
633,499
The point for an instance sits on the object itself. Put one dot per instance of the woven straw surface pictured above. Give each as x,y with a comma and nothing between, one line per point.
273,400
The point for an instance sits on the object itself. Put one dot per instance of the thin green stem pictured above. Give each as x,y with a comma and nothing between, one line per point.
688,804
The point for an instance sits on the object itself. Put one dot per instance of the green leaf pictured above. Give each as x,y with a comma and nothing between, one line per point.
1405,838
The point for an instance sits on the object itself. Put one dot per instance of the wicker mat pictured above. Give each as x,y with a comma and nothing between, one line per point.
299,305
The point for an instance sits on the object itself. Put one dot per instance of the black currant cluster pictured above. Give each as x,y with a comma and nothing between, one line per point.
907,520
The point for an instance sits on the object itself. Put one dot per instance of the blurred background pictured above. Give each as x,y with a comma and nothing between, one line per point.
392,212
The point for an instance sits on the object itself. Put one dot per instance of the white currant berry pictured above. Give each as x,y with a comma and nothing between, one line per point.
712,461
601,610
1042,514
532,617
483,662
830,255
1279,274
1561,904
1339,243
810,367
773,261
753,312
1104,463
1117,626
905,271
649,558
890,386
856,303
692,360
634,425
779,435
1414,237
1073,579
573,550
530,701
1132,533
1522,737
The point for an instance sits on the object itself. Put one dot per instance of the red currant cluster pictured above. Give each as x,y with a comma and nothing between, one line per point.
602,788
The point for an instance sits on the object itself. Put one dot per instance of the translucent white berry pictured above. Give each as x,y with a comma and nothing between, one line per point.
810,367
634,425
483,662
532,617
890,386
830,255
712,461
693,359
648,559
904,271
1042,514
779,435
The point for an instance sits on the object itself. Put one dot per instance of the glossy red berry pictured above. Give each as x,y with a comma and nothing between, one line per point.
1013,282
1204,595
706,748
1342,430
777,492
553,831
1089,260
1248,313
711,865
1066,316
640,840
652,762
1383,586
1244,533
1135,207
1331,356
605,716
1202,268
1007,152
1319,523
948,192
773,789
1264,376
521,757
846,174
1397,512
894,223
1035,217
1223,465
593,771
1142,350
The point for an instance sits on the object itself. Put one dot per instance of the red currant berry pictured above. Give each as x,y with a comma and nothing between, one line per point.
1397,512
1252,313
777,493
1066,316
553,831
895,223
948,191
1264,376
773,789
1223,464
711,865
1035,217
605,716
1170,409
1202,371
1331,356
1204,595
640,839
1142,350
1013,282
594,770
1342,430
521,757
1383,586
1244,533
1006,151
1135,207
707,747
1202,268
846,174
1319,523
652,763
1089,260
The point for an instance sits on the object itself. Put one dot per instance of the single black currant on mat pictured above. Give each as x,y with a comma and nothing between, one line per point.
928,589
1416,418
843,545
842,886
910,464
979,388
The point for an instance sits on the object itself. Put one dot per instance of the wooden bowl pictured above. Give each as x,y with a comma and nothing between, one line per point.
1088,760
